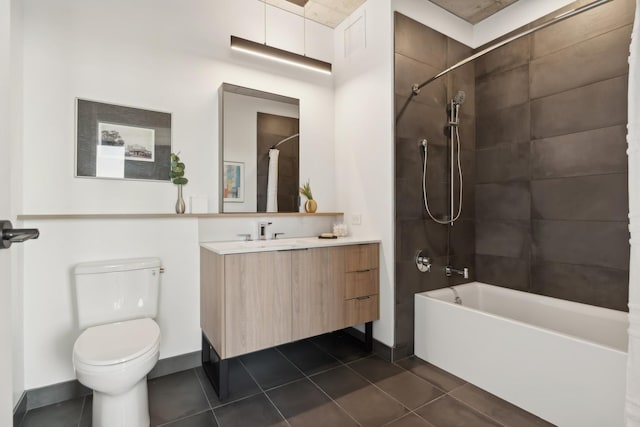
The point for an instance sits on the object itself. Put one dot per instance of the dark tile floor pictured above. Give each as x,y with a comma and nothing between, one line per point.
324,381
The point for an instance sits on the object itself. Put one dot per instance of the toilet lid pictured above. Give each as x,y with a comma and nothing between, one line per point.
116,342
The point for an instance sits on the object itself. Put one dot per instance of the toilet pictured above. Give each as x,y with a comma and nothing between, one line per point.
117,301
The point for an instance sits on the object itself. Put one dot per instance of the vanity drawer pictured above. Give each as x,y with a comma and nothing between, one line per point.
361,310
361,284
361,257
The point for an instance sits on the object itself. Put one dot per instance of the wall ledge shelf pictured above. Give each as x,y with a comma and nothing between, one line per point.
26,217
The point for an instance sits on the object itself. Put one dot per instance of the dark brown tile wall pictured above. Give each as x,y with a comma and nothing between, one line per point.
544,159
420,53
551,191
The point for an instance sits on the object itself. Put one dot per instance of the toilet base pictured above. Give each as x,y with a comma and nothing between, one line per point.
129,409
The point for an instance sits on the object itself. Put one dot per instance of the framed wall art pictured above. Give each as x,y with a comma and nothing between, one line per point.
118,142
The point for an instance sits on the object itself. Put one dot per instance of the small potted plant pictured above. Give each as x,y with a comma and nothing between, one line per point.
177,177
310,205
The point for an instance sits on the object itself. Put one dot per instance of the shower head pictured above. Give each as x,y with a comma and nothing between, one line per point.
459,98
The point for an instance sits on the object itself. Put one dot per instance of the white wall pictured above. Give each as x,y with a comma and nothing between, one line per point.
113,52
51,325
364,143
5,211
15,129
161,55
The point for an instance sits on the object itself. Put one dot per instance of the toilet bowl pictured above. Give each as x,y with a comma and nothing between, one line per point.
114,360
117,302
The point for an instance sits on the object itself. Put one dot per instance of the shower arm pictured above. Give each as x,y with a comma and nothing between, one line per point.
415,89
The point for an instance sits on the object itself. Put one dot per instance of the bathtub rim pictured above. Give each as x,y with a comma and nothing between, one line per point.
425,294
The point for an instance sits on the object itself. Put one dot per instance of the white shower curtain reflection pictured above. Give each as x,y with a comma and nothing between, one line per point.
272,181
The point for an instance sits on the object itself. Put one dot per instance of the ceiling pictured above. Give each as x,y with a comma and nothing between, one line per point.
332,12
473,11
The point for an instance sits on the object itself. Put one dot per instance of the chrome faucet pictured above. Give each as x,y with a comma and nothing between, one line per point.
262,230
450,270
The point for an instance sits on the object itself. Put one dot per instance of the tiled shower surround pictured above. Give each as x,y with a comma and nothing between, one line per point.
419,54
544,161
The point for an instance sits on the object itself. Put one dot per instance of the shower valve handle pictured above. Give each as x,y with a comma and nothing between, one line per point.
422,262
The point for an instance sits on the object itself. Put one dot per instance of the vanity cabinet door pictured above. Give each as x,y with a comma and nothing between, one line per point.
258,301
318,284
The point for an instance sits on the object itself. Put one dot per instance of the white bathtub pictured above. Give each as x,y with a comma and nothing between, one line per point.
563,361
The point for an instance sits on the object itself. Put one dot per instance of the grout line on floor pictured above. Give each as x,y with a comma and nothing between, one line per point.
334,401
308,378
184,418
378,387
84,403
263,390
202,388
477,410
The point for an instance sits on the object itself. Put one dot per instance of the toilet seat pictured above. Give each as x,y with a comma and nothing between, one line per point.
116,343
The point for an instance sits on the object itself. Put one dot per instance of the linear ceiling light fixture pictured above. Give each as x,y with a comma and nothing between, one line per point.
279,55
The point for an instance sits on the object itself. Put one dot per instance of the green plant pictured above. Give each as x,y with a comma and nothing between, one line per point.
177,170
305,190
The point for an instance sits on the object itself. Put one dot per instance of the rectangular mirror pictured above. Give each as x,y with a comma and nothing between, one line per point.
260,158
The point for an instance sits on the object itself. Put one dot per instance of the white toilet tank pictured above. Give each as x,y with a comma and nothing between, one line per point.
117,290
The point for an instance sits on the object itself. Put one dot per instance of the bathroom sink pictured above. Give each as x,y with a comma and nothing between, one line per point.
242,246
252,246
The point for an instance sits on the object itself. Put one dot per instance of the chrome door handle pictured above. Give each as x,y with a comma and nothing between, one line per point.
16,235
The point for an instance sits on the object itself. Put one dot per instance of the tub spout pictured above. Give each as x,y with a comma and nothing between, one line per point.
450,271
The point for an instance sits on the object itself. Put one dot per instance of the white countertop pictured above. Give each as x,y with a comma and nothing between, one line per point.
240,247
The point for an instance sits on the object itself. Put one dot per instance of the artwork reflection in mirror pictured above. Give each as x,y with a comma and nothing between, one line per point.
261,132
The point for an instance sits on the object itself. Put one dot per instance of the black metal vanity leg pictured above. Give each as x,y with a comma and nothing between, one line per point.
223,375
217,370
368,336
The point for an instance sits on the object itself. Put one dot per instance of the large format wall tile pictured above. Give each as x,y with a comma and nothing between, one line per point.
579,28
409,155
419,53
505,162
595,198
463,237
509,125
596,59
510,56
502,90
408,72
605,287
557,160
597,151
408,206
598,105
417,41
503,271
421,121
422,234
511,200
503,238
604,244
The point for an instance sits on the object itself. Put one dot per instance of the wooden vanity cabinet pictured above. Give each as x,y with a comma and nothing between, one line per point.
246,300
362,284
252,301
318,289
